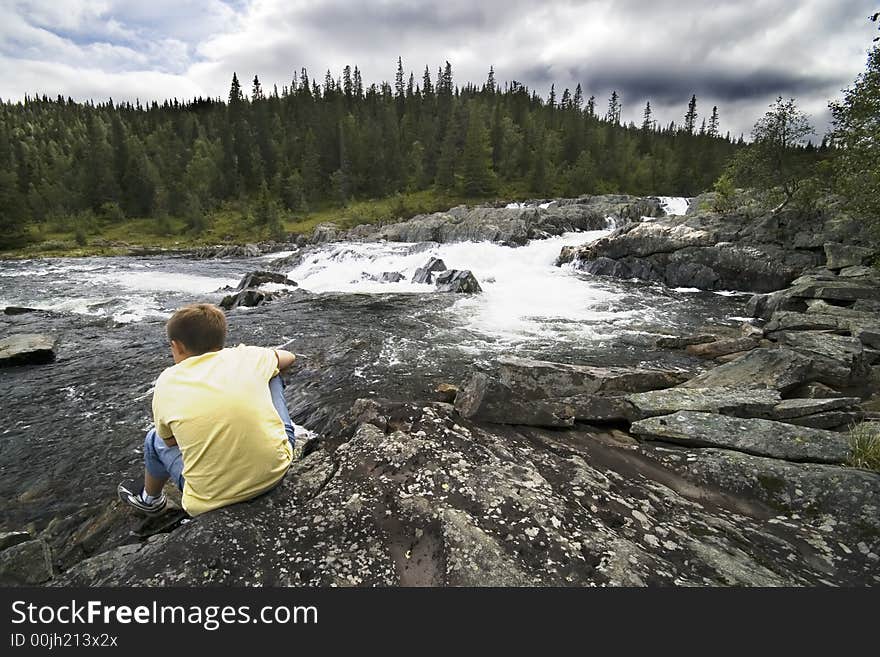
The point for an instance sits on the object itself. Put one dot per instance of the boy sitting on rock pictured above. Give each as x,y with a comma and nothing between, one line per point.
222,430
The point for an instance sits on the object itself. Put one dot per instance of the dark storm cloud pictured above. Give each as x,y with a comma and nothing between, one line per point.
670,86
737,54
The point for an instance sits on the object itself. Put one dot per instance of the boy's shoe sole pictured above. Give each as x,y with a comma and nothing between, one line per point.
131,495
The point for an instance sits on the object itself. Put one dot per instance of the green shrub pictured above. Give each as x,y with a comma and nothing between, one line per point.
864,440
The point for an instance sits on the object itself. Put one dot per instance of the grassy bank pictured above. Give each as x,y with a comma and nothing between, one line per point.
232,223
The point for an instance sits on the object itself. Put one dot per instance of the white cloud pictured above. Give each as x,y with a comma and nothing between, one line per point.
737,55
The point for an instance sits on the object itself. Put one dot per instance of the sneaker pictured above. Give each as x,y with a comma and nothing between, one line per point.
131,495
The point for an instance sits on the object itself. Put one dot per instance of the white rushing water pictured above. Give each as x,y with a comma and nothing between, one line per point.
674,205
524,294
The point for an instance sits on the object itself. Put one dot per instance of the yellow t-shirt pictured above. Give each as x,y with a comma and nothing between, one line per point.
219,409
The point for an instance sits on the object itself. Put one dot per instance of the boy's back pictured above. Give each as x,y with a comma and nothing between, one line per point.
218,407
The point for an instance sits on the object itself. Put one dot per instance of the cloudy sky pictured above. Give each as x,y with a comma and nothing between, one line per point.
739,55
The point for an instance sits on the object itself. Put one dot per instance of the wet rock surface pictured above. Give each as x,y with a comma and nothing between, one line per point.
749,435
27,349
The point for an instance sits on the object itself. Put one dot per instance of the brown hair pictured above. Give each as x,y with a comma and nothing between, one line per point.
200,327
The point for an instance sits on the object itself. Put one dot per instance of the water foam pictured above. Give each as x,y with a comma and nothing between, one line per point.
674,205
525,296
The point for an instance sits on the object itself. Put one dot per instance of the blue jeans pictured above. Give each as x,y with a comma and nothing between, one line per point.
164,462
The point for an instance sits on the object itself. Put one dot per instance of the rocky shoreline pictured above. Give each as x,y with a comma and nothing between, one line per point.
733,470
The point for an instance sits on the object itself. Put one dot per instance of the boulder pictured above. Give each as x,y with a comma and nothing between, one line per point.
857,272
390,277
794,408
457,281
738,402
680,342
596,408
536,379
834,420
26,564
795,321
27,349
425,274
258,278
780,369
749,435
248,298
722,347
837,360
8,539
484,398
839,255
325,232
838,290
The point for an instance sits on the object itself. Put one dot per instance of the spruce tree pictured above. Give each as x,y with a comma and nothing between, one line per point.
478,178
690,117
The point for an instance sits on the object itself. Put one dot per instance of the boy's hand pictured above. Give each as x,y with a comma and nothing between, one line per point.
170,442
285,359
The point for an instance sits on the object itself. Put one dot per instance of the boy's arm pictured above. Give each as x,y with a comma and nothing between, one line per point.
285,359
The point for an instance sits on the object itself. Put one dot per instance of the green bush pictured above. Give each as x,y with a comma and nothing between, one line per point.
864,440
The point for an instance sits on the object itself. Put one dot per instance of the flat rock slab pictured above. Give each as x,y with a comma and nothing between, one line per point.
839,255
726,401
536,379
722,347
786,320
27,349
483,398
836,420
792,408
26,564
841,290
749,435
780,369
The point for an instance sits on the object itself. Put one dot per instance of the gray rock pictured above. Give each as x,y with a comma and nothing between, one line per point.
795,321
839,290
486,399
8,539
764,306
425,274
839,256
26,563
837,360
18,310
535,379
390,277
679,342
726,401
794,408
857,272
248,298
780,369
27,349
749,435
458,282
596,408
722,347
836,420
258,278
844,501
